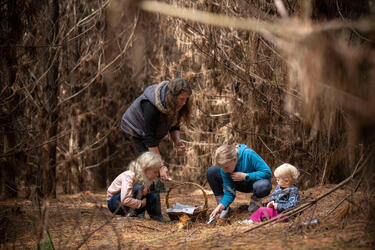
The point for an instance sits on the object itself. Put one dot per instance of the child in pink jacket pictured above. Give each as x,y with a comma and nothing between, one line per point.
130,191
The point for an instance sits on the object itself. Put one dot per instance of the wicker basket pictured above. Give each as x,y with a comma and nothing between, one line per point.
198,214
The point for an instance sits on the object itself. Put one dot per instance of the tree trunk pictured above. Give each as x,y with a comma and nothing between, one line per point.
50,111
13,108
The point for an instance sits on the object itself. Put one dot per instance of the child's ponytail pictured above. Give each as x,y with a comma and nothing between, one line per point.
135,168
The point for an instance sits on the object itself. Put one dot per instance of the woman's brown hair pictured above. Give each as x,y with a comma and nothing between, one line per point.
174,88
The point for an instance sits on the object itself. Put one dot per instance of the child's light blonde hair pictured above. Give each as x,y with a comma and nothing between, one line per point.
225,153
288,171
145,161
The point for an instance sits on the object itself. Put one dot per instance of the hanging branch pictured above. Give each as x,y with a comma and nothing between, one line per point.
104,69
287,30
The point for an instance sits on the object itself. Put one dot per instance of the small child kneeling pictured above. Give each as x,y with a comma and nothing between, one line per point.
129,194
284,197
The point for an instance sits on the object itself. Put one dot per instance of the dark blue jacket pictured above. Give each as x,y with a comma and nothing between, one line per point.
285,198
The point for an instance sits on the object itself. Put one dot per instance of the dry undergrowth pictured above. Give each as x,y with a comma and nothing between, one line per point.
83,220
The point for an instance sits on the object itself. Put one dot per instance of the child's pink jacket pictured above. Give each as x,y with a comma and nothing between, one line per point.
124,183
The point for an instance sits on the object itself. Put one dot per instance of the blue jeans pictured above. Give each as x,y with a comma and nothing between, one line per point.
259,188
153,206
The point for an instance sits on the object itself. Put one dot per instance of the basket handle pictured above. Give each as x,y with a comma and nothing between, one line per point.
191,184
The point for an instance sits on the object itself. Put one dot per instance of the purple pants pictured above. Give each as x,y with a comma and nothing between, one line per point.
265,213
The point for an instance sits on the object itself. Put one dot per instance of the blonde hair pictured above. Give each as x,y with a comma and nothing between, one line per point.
287,170
145,161
225,153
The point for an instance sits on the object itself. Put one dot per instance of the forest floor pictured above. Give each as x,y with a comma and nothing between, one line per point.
83,221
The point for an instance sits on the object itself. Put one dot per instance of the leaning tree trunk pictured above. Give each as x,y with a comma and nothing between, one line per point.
49,124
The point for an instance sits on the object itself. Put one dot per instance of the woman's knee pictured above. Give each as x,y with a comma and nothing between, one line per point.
262,188
212,172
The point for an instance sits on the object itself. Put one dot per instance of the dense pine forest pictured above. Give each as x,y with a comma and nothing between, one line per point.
292,79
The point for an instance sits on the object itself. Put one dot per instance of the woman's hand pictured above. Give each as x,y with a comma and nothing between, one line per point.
180,146
217,211
143,202
164,173
238,176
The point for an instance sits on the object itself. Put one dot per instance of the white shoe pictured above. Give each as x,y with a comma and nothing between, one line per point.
246,222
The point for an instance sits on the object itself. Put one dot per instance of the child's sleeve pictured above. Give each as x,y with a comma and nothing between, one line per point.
291,202
127,191
274,194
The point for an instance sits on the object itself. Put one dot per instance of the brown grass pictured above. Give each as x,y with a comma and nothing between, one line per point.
74,218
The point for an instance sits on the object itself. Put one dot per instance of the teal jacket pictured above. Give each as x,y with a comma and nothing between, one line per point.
248,162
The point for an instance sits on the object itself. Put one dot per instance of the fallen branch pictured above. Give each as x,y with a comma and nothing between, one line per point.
108,221
148,227
90,234
190,234
346,197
